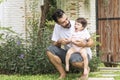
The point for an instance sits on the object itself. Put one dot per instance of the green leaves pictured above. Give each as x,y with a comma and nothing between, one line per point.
1,1
4,31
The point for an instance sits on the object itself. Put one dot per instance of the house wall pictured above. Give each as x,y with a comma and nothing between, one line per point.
18,13
32,15
89,14
12,14
92,16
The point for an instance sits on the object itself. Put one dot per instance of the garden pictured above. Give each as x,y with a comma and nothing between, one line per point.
25,58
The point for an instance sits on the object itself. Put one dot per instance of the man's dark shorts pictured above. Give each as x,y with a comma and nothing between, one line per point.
75,57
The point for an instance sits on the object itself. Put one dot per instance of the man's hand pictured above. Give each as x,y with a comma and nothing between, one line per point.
61,41
88,43
79,43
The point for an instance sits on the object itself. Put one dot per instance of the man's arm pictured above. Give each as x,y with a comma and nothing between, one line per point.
89,43
60,42
57,43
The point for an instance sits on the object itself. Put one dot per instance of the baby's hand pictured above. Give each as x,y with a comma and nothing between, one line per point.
63,41
79,40
68,39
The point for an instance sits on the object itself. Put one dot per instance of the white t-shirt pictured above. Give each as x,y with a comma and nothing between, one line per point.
84,34
80,35
60,32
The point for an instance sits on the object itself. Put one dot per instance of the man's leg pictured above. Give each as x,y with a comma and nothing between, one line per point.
78,64
56,60
77,60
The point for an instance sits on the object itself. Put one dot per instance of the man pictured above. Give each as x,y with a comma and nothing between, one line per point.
63,30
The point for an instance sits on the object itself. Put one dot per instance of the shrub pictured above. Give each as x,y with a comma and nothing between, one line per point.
24,57
12,52
94,63
28,56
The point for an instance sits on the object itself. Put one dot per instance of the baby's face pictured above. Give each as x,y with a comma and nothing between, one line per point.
78,27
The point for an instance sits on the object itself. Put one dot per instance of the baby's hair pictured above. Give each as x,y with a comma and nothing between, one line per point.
83,21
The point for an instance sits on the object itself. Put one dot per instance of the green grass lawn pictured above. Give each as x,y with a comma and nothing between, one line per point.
38,77
70,76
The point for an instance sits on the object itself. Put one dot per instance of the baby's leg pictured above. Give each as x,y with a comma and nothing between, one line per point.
84,55
68,55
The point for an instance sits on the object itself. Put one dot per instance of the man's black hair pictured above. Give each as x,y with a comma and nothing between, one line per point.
57,14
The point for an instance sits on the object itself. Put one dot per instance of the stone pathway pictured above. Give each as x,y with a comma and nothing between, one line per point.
109,68
106,73
101,79
109,71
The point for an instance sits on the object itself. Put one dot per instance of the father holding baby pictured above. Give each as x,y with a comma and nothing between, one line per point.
57,54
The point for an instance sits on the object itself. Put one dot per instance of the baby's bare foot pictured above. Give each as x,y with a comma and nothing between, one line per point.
85,71
67,68
62,76
85,75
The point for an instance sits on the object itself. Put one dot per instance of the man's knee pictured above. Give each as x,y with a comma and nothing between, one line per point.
48,53
76,57
53,49
53,57
78,64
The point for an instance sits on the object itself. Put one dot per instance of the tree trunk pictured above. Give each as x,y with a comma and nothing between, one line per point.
44,10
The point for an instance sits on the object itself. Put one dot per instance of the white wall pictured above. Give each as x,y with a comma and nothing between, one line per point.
90,15
12,14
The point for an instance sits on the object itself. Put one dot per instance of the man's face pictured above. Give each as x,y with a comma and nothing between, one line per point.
64,22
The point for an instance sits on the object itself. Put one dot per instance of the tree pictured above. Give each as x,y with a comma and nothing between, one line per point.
46,11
